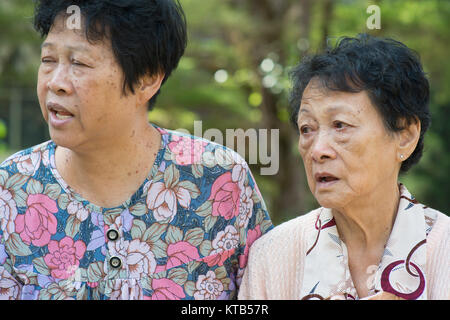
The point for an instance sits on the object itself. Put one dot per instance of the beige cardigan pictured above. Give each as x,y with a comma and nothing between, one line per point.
275,268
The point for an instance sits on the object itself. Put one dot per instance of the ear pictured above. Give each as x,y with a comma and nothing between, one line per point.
407,140
148,87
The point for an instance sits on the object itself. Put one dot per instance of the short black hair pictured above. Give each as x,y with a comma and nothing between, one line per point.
390,73
147,36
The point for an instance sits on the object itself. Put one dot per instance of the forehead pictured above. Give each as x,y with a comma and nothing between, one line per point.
317,98
62,23
63,34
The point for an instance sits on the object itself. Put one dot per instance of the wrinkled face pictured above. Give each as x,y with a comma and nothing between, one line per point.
80,90
347,151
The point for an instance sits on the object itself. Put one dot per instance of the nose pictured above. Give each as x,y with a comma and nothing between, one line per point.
59,83
321,149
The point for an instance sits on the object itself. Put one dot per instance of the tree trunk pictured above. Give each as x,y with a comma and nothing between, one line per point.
290,181
327,14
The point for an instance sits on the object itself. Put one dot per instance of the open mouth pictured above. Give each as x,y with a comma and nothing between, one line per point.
61,115
59,112
325,177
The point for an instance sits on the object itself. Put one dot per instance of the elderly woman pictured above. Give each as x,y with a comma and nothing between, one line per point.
114,207
361,110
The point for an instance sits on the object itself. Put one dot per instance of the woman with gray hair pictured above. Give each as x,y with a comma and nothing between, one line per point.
361,110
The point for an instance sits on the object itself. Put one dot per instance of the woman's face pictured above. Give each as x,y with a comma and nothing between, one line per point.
80,90
346,149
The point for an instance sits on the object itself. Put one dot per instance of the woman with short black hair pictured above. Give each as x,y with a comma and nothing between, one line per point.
114,207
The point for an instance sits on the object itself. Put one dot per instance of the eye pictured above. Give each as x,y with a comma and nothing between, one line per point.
78,63
339,124
47,60
305,129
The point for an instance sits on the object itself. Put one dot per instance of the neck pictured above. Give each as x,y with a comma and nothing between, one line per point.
100,169
367,222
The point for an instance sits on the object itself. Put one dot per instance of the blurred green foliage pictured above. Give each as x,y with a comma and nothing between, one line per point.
235,75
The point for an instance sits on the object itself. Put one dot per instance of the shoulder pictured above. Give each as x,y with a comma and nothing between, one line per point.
26,162
438,254
437,224
438,227
186,149
288,236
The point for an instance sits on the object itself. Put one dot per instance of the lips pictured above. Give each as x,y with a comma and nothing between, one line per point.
59,116
59,111
325,177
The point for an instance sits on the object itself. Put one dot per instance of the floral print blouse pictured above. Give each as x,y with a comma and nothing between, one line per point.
184,234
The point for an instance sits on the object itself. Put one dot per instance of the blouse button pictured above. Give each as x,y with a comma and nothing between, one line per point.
115,262
112,234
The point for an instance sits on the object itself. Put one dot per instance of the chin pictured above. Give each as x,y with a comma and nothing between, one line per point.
63,140
329,200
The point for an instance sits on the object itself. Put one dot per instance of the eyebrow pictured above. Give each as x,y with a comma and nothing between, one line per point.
46,44
336,108
330,109
70,47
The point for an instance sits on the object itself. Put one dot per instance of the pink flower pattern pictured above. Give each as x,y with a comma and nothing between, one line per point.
181,252
166,289
225,194
64,257
186,150
184,234
38,223
251,237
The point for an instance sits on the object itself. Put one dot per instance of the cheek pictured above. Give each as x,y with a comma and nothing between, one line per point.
368,163
99,89
97,100
307,163
41,83
303,147
113,78
303,153
42,94
91,95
